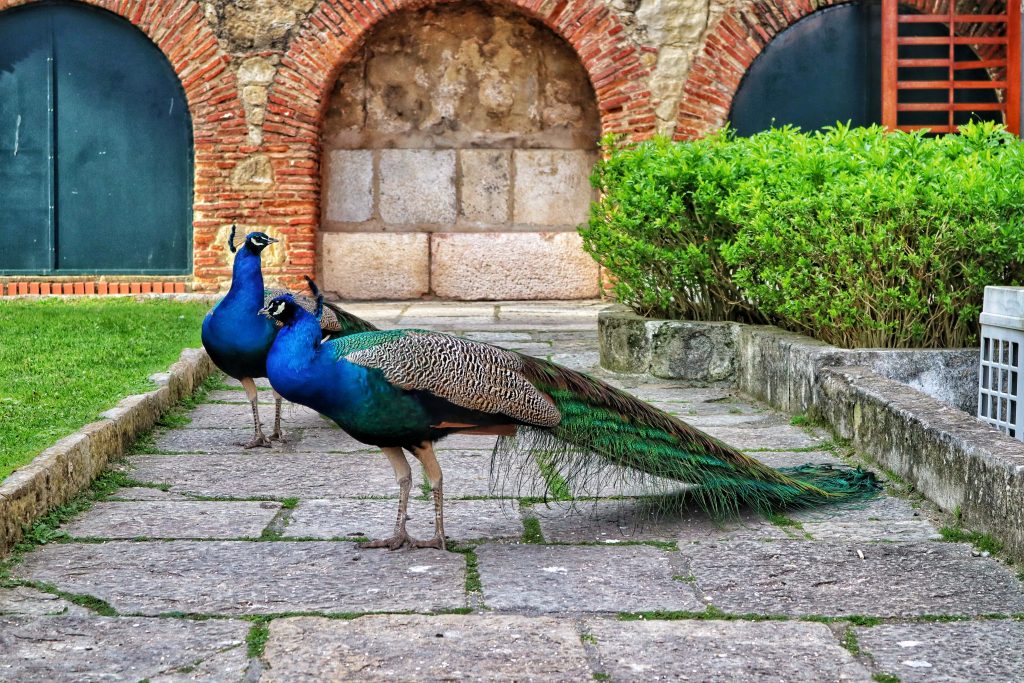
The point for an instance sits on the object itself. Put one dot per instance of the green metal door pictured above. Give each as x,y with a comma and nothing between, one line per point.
95,147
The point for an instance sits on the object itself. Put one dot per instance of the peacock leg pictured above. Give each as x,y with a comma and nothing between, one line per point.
277,435
258,439
403,473
425,454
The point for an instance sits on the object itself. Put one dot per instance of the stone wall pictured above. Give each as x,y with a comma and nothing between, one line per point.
474,125
531,84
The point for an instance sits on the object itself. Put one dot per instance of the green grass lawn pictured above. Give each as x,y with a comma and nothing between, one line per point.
62,362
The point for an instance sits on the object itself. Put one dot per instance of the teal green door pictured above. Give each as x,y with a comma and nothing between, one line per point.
95,147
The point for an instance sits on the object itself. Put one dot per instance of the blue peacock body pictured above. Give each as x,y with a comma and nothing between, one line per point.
238,339
406,389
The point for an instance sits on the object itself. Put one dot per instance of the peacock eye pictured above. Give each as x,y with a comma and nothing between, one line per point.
278,309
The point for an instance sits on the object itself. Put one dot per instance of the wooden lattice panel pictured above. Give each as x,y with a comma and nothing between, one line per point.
995,38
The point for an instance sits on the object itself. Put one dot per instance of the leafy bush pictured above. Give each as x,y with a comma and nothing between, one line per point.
858,237
657,227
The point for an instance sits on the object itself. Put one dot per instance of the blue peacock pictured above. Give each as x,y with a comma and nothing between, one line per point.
403,390
237,339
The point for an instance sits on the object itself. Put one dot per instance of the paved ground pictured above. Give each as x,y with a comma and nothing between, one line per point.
228,565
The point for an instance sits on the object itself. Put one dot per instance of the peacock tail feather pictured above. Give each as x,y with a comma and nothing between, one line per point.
642,447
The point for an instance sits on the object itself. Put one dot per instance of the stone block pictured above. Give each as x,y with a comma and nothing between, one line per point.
463,519
348,188
582,579
799,578
89,648
960,651
245,577
417,186
405,647
735,651
376,265
174,519
552,187
531,265
485,185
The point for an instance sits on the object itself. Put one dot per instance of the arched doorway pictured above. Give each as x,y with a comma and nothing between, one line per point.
827,67
95,147
457,145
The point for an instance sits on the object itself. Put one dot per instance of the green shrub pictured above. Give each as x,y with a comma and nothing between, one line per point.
658,231
858,237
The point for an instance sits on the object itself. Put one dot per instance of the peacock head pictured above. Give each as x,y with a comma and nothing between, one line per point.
255,242
282,308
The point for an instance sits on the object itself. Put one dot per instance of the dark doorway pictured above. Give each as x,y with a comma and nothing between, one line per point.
827,67
95,147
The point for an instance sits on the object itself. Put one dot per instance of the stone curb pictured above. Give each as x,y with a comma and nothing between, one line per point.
911,410
63,470
769,363
957,461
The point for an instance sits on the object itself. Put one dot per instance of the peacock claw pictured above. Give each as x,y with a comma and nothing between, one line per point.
435,542
393,543
257,442
277,436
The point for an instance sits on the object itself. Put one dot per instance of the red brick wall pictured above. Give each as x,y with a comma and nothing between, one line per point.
733,44
298,97
289,206
180,31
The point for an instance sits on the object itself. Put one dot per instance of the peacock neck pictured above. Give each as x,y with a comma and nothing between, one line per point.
246,279
297,343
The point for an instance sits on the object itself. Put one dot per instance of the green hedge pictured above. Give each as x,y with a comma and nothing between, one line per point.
856,236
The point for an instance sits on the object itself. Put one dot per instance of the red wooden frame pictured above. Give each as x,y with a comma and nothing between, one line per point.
1008,65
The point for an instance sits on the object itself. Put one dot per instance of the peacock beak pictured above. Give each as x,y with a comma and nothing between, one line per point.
271,240
265,311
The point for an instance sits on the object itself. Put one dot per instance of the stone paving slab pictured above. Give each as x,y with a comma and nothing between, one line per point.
464,520
978,651
419,648
239,416
735,651
25,601
628,520
778,437
887,531
796,458
747,420
239,577
145,493
222,441
174,519
265,475
832,579
882,508
122,649
539,578
261,382
574,360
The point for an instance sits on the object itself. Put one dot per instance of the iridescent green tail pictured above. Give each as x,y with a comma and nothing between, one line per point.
604,427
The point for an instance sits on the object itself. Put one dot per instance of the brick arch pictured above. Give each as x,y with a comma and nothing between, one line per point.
732,46
180,32
300,94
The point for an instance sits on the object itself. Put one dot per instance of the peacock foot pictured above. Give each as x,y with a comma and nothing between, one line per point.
435,542
393,543
258,441
277,436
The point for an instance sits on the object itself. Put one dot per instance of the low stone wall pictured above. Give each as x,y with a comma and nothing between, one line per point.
772,364
957,461
910,410
60,472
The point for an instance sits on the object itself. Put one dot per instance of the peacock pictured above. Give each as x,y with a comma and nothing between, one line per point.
237,339
404,389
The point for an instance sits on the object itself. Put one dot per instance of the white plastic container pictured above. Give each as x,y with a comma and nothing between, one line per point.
1002,337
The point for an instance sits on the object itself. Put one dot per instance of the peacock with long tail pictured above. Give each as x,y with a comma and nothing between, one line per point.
237,339
403,390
